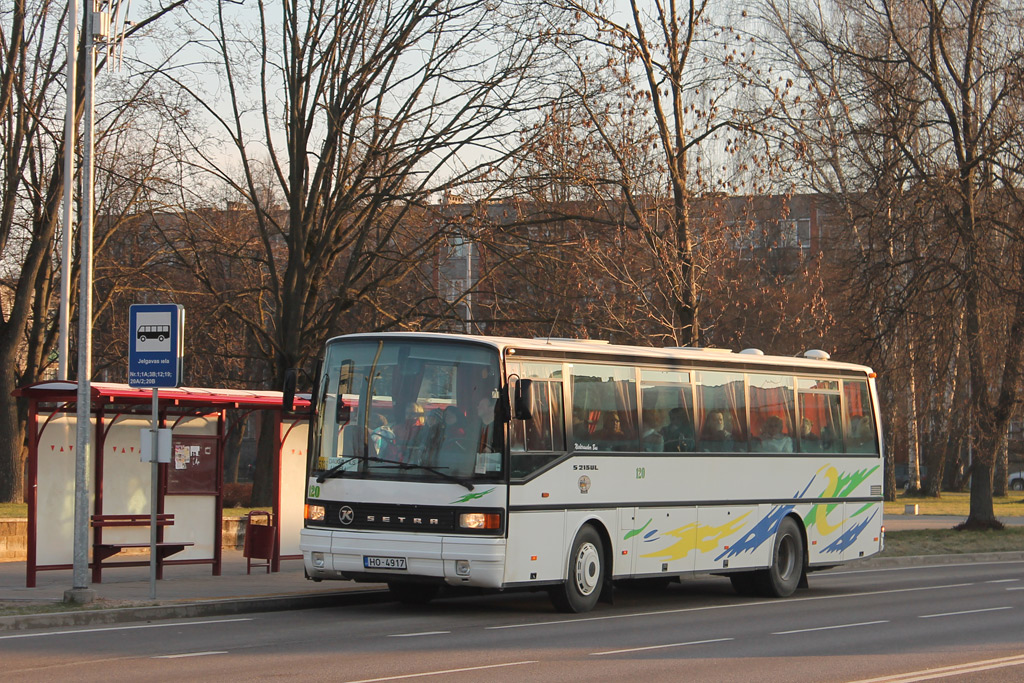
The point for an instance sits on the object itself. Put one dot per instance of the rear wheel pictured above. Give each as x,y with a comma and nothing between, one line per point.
782,578
410,593
1017,484
586,574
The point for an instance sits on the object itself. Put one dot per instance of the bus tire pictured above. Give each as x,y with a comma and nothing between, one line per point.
782,577
586,577
410,593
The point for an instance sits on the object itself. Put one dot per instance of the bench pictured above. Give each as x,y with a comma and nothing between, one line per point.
102,551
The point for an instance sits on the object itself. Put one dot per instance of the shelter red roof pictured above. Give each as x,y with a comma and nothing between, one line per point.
111,393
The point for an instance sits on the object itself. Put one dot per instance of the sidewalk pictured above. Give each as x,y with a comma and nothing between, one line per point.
185,591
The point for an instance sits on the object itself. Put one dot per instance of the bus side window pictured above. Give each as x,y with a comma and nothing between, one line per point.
821,428
541,439
772,424
861,436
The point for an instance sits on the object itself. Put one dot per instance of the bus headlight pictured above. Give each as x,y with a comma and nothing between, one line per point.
462,567
315,513
318,560
480,520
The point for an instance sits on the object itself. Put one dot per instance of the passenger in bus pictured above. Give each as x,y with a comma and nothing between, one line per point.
427,443
488,441
715,437
454,426
614,435
809,442
652,440
772,438
678,433
861,437
382,437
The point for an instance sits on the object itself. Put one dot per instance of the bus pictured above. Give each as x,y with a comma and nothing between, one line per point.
442,460
158,332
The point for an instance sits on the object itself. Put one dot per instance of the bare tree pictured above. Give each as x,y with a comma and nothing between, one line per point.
655,90
921,105
32,102
340,118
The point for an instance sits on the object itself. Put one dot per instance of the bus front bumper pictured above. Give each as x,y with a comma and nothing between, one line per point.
369,556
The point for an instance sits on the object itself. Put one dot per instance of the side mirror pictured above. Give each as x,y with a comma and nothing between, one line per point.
523,403
288,399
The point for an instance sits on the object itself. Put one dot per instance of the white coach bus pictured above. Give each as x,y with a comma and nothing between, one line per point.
566,465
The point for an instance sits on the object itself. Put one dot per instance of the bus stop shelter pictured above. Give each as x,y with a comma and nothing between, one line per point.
190,487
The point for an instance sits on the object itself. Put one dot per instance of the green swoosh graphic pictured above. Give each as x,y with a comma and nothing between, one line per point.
471,496
634,532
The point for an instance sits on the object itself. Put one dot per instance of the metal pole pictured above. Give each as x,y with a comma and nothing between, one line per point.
80,591
69,190
153,490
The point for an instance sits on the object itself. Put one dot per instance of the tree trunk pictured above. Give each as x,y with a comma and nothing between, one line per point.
982,513
12,439
913,428
264,476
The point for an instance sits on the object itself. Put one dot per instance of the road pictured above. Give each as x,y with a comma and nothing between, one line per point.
955,622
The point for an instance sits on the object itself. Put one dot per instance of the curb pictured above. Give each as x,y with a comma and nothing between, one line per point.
934,560
190,610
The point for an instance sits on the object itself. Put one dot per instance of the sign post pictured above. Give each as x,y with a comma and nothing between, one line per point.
156,340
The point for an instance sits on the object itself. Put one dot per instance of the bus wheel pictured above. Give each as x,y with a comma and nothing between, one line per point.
586,574
409,593
782,578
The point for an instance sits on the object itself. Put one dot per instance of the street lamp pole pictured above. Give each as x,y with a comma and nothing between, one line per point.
80,591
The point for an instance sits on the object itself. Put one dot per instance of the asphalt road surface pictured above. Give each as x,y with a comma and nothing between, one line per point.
949,622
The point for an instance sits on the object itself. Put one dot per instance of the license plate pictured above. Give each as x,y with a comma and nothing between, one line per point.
371,562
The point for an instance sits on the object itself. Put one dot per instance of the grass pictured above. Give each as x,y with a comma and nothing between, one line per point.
957,504
950,542
8,510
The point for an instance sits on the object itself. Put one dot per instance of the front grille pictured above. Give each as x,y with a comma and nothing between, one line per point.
408,518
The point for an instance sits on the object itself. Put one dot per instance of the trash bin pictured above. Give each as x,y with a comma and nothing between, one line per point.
259,540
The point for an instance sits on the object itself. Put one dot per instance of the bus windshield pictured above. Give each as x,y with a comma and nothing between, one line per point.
409,410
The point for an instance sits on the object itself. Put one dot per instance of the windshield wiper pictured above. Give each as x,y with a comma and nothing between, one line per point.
334,470
401,465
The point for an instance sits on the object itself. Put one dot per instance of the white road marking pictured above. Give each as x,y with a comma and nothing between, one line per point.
122,628
660,647
969,611
829,628
683,610
191,654
1003,581
946,671
414,635
442,673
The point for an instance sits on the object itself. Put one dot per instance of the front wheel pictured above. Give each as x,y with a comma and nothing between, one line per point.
1017,484
582,587
782,578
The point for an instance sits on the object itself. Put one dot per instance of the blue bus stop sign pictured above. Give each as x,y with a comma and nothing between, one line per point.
156,339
